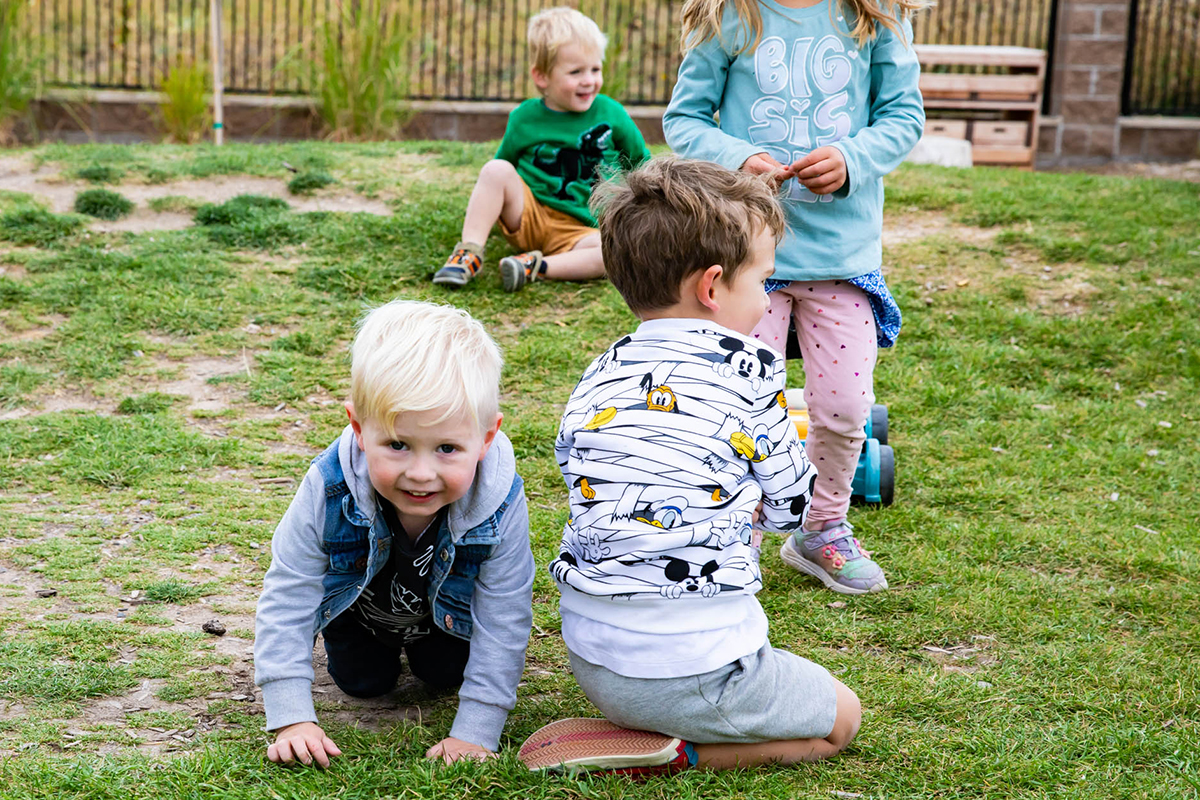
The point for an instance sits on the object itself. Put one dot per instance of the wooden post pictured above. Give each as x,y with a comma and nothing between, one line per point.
218,73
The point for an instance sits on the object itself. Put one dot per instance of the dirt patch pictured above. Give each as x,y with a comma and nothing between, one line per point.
964,657
202,395
908,226
63,400
46,184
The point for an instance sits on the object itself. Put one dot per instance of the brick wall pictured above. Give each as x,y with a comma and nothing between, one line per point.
1085,125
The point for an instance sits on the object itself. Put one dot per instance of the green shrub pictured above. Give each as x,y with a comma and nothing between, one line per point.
243,208
308,182
252,221
184,116
100,173
20,59
172,590
360,74
102,204
149,403
37,226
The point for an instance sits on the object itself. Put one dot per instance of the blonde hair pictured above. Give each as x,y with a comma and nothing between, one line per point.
413,356
701,19
551,29
672,217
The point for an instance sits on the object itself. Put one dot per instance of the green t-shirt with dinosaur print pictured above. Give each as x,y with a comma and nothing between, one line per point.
558,153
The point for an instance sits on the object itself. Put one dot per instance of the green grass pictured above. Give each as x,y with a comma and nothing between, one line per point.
102,204
309,182
1049,331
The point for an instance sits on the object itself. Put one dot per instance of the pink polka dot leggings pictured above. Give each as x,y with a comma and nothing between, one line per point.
836,330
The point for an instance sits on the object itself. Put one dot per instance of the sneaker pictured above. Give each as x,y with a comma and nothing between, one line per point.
460,267
835,557
579,744
516,271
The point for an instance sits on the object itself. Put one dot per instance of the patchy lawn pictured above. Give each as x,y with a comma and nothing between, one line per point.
164,384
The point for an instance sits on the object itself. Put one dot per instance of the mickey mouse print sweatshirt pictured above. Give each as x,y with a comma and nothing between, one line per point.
668,444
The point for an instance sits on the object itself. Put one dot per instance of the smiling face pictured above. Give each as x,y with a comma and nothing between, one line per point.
422,464
744,300
574,81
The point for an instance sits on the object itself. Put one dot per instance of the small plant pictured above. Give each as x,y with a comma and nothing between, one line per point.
309,182
102,204
175,203
243,208
100,173
37,226
360,74
20,76
172,590
149,403
184,116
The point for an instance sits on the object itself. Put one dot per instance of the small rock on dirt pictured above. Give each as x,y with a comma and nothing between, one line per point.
214,627
46,592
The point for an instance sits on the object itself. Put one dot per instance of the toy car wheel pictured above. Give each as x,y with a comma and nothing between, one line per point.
887,474
879,423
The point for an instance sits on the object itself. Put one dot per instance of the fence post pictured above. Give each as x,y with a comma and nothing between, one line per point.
218,75
1089,67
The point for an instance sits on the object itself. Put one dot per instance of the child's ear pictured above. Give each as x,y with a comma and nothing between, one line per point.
489,435
706,287
540,79
355,424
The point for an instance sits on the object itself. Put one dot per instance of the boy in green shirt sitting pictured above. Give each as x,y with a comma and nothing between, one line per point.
539,184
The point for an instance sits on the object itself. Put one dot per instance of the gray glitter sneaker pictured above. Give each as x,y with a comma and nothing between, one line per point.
834,557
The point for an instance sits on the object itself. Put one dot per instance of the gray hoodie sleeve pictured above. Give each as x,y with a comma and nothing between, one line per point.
292,590
502,615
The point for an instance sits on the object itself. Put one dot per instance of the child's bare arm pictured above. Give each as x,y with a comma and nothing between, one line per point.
305,742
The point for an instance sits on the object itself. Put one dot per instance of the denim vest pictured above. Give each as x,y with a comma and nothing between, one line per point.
358,550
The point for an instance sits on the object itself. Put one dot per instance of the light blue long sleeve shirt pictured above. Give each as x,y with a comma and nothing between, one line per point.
806,85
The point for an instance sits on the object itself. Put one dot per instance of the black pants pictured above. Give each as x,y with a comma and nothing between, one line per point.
363,666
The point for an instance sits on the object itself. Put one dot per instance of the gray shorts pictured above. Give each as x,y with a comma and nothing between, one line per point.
770,695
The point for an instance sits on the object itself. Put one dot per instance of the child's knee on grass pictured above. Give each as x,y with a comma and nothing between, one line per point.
848,719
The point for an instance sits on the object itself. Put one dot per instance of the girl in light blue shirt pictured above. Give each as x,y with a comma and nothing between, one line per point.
822,97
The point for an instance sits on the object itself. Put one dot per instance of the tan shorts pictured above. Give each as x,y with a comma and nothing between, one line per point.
544,228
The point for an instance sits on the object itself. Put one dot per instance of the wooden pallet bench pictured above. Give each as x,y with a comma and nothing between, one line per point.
997,110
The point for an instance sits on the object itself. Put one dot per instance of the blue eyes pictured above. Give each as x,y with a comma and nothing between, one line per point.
444,449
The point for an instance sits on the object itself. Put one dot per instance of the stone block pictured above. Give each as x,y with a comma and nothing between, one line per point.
1090,111
1114,22
1082,21
1076,81
1083,52
125,118
1047,140
651,128
1172,143
1074,141
1130,143
1102,141
249,122
1108,82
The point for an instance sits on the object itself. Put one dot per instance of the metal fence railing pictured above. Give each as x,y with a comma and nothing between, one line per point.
1162,63
457,49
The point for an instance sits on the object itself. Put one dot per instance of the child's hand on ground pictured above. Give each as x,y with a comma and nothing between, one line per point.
763,164
305,742
823,171
451,750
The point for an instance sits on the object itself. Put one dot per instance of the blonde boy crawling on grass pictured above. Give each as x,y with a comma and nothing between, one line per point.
670,441
539,184
409,534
